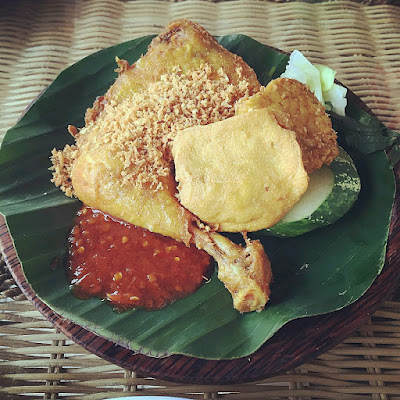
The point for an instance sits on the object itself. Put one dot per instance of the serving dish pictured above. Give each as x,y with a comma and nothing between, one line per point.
246,364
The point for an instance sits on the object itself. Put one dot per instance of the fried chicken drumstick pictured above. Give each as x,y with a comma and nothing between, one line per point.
245,271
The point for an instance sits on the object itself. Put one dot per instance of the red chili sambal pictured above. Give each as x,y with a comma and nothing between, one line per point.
131,266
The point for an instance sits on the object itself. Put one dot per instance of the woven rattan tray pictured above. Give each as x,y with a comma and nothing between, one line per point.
40,38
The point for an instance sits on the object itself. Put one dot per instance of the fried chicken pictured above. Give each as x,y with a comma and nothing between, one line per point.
185,44
121,163
245,272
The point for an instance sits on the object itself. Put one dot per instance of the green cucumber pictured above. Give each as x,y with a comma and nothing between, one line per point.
331,193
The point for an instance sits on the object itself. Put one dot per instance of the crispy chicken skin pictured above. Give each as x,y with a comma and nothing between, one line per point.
297,109
96,172
185,44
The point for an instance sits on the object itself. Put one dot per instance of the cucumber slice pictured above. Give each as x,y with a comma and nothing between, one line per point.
331,193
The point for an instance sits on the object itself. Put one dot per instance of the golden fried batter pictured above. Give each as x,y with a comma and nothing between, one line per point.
298,110
241,174
185,44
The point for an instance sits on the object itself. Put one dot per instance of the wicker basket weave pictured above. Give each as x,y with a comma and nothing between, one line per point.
40,38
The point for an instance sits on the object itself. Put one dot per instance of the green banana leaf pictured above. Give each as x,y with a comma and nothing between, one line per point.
319,272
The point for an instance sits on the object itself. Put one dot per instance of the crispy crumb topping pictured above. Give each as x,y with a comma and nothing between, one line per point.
140,129
62,165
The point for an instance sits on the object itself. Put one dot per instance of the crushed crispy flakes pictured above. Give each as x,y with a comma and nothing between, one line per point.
140,129
62,163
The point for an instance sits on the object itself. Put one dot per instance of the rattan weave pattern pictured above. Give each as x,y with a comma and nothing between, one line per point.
40,38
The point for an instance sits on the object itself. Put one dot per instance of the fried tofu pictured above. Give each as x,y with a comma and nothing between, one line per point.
240,174
298,110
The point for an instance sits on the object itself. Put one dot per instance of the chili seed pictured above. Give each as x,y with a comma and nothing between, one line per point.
117,276
81,250
124,239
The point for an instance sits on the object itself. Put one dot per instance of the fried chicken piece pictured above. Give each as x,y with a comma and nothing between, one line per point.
245,272
103,178
298,110
95,181
185,44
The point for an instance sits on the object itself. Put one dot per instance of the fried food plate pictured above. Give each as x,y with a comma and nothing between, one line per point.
326,282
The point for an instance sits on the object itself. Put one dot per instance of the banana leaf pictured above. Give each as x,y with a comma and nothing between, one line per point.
316,273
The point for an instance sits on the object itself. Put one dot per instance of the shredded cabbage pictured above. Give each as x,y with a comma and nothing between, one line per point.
327,76
320,79
336,98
